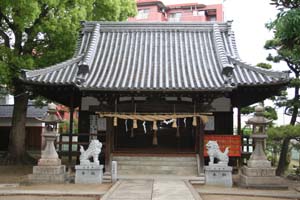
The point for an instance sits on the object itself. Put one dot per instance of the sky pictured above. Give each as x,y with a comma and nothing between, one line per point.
249,19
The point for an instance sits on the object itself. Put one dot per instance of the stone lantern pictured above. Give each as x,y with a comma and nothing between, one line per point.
49,168
258,173
259,124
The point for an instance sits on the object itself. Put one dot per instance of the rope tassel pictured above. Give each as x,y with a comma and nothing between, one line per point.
194,121
135,125
115,121
174,124
155,126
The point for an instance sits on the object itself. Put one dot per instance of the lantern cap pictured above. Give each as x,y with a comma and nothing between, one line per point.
51,106
259,118
51,116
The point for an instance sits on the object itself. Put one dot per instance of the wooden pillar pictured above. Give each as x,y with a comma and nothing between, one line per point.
200,129
154,140
196,131
239,131
71,130
108,143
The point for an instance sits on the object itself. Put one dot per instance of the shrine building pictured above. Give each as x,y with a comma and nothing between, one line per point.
156,88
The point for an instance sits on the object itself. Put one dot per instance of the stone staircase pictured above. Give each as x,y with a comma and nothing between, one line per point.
173,167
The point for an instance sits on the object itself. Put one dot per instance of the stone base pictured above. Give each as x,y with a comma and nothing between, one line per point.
263,178
48,174
49,162
260,172
259,163
87,174
218,175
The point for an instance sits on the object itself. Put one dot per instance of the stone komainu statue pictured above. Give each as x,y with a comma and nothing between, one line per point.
213,152
93,150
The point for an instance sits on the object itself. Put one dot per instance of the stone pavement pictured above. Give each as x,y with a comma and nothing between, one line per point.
151,190
244,192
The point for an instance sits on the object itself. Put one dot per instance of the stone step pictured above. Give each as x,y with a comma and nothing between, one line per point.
162,167
155,163
198,180
154,158
157,171
159,177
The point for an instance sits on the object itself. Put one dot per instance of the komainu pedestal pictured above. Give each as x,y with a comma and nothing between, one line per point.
219,173
89,172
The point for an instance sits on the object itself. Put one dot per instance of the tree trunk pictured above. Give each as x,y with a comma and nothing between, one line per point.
16,148
283,157
285,144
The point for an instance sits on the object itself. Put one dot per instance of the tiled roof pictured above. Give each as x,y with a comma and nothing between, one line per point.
6,111
155,56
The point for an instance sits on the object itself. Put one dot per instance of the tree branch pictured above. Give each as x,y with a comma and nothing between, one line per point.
290,65
5,38
10,24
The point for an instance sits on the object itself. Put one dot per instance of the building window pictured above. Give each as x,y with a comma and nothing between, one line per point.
199,13
174,17
143,14
212,18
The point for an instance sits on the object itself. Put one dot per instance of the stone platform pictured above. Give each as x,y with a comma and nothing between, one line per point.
263,178
218,175
89,174
48,174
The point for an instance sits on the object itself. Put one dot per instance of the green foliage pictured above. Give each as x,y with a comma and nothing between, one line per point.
289,131
264,65
295,82
286,43
114,10
276,135
36,34
269,113
283,4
